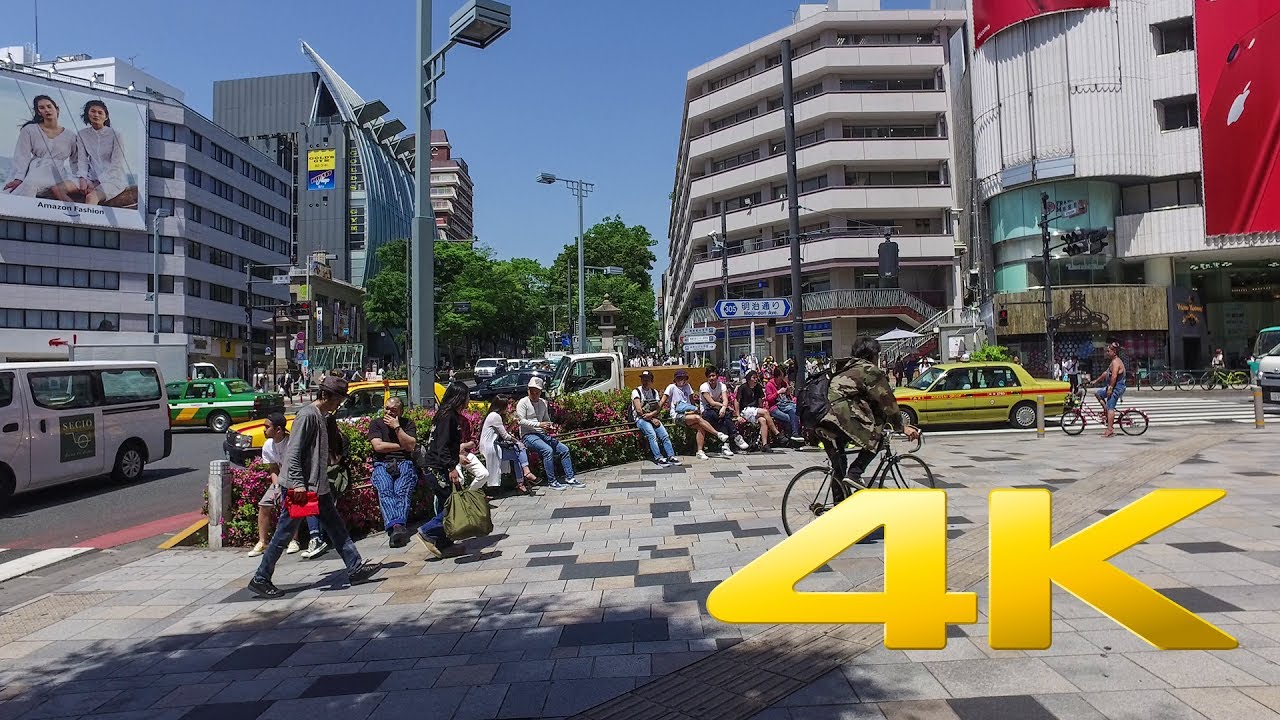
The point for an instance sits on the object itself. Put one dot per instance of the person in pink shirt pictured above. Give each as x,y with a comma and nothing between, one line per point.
781,403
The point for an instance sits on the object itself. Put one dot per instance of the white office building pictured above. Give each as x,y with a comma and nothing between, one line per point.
873,103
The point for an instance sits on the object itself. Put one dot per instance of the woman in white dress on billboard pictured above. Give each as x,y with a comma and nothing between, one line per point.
44,155
102,164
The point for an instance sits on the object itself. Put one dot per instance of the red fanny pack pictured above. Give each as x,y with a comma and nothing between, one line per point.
310,508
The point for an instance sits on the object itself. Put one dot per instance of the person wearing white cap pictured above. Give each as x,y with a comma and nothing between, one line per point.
535,428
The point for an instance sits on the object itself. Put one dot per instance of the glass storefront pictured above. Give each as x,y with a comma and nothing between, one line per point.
1240,298
1015,234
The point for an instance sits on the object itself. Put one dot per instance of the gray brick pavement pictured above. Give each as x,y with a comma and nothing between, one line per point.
595,596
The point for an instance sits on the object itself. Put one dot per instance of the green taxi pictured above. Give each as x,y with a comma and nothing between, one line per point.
215,403
978,392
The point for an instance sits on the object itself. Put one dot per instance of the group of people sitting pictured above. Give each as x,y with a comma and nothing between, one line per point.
714,410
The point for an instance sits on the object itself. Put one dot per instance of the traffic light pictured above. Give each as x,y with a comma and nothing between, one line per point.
1074,243
1003,316
1097,241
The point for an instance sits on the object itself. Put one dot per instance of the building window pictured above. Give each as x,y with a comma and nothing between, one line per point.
222,329
166,323
220,222
195,325
732,162
162,130
811,184
877,132
195,176
887,178
195,288
25,318
221,293
1178,113
163,203
1176,36
195,250
166,284
888,39
58,277
224,156
779,146
1137,199
221,258
197,141
195,213
728,80
221,189
778,192
59,235
888,85
797,96
162,168
738,203
734,119
166,244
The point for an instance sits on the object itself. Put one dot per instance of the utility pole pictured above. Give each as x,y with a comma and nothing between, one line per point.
724,275
422,300
793,212
1048,281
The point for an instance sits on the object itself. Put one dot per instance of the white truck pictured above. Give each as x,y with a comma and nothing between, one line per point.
172,358
1269,377
579,373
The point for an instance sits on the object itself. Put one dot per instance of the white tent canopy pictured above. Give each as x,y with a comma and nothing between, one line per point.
898,335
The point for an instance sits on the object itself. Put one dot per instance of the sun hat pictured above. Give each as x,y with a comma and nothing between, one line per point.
536,382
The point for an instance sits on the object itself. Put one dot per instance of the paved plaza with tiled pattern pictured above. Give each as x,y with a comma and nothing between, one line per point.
591,603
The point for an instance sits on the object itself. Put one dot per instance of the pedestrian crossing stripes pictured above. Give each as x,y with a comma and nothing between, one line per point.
1162,410
16,563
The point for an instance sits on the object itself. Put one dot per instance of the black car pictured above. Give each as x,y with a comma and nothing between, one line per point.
508,383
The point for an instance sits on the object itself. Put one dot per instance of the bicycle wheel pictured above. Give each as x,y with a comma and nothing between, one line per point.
1207,381
1132,422
1158,381
907,472
1072,422
1184,381
1238,380
808,496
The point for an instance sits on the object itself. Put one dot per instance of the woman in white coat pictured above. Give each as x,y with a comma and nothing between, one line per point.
102,164
498,445
45,155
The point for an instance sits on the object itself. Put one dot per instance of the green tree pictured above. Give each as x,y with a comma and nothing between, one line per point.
991,353
611,242
387,293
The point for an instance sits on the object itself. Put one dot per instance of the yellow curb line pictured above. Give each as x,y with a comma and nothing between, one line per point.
182,536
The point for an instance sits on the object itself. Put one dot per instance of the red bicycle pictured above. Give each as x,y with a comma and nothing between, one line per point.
1077,412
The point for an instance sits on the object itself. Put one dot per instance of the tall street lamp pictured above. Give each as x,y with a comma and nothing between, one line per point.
478,23
155,276
580,190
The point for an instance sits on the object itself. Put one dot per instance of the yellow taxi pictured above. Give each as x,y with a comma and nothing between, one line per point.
244,441
978,392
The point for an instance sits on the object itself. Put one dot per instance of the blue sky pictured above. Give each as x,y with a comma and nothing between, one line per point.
588,89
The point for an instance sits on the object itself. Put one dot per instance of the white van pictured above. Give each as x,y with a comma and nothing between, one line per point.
65,421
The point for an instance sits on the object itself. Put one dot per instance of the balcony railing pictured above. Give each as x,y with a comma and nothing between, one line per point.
761,244
836,300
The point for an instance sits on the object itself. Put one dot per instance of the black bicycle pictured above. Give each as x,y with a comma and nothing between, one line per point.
809,494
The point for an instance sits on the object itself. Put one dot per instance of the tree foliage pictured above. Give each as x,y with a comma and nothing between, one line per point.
611,242
991,353
387,293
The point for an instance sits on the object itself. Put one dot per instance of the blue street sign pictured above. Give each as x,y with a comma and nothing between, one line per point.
761,308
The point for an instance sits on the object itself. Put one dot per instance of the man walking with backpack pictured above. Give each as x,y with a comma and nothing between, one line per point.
859,403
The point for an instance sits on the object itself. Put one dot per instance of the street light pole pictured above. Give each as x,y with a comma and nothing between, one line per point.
580,189
1048,281
793,211
155,275
422,352
724,274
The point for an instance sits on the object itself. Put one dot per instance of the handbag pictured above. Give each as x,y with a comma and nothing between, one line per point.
466,515
310,508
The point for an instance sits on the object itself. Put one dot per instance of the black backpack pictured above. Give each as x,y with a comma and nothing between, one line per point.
812,403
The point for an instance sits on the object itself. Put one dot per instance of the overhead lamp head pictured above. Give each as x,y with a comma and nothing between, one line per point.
613,270
479,22
547,178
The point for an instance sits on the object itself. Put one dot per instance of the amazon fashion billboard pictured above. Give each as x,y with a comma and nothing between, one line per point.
72,155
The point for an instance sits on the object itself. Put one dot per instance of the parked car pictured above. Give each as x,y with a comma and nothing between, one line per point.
243,443
487,368
956,393
66,421
509,383
218,402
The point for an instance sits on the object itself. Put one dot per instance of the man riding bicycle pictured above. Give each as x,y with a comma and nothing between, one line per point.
861,403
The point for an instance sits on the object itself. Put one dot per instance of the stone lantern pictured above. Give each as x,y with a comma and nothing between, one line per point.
607,313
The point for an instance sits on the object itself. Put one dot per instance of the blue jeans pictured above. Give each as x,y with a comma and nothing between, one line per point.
394,495
550,449
333,525
721,420
786,412
516,454
683,408
433,529
654,435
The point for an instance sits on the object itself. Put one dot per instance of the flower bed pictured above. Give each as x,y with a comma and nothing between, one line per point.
592,424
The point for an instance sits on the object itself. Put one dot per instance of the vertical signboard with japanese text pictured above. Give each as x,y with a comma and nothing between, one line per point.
321,170
1236,56
73,155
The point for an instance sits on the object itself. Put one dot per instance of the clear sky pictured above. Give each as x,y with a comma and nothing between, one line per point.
588,89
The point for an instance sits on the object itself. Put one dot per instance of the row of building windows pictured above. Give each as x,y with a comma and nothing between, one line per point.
59,234
846,85
59,277
852,178
168,131
27,319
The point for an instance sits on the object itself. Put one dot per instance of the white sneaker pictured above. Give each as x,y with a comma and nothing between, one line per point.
722,436
293,547
725,451
742,444
795,439
701,455
315,549
258,550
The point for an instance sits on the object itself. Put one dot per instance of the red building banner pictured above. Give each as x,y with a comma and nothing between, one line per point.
992,16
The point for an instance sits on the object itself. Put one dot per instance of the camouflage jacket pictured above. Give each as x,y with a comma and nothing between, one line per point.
862,402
